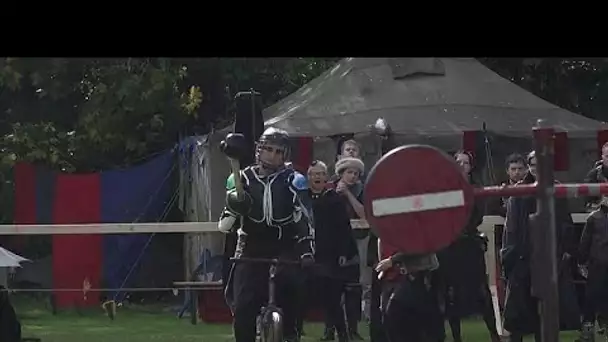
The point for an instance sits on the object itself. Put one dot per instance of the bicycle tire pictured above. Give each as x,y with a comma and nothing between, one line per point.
271,329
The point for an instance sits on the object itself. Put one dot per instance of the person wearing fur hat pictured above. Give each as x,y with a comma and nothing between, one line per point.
348,185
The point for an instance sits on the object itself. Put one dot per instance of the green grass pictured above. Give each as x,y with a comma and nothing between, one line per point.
149,324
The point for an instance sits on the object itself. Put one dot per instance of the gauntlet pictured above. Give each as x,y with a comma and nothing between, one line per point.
240,206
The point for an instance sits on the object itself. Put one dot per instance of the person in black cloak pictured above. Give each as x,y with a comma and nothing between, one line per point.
462,274
593,253
336,252
521,307
10,328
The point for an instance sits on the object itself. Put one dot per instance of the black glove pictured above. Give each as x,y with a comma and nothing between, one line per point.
240,206
307,260
483,241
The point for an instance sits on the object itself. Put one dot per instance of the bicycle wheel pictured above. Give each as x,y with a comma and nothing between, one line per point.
271,329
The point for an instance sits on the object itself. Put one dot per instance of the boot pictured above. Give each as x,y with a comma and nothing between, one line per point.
354,335
343,337
495,338
292,339
328,335
587,332
603,323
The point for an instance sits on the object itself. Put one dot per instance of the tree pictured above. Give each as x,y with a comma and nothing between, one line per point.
576,84
78,114
83,114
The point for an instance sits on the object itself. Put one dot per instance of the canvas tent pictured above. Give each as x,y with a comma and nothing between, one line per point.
434,101
418,96
8,260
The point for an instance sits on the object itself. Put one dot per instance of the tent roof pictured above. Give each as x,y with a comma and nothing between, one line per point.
423,96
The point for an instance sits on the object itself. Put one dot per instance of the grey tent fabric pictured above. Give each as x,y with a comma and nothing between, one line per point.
418,96
10,259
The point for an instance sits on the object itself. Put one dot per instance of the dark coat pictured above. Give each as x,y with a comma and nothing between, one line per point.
594,239
521,311
462,268
333,235
10,328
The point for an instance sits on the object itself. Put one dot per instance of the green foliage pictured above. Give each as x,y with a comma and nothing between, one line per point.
577,84
90,114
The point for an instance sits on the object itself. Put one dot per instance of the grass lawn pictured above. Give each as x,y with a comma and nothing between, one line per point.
148,324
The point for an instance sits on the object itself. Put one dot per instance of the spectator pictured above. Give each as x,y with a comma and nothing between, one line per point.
336,250
593,252
516,168
348,185
462,269
521,306
598,174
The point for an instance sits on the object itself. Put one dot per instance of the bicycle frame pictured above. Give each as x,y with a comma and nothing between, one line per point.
271,323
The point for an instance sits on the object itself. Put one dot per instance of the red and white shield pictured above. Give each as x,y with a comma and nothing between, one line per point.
417,198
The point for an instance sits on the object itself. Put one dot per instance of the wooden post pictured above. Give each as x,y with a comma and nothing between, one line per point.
544,239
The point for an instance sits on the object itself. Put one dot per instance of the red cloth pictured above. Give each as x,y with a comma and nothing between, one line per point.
602,138
387,250
469,142
25,200
25,194
303,155
77,258
562,151
212,306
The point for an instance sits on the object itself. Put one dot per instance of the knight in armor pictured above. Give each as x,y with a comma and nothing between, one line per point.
272,222
409,302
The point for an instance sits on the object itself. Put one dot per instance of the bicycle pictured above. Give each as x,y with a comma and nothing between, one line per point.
271,317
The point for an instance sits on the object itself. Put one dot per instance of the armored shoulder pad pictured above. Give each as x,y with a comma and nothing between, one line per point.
298,181
230,182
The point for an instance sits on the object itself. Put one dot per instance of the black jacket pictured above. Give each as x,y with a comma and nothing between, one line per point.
333,232
521,310
10,328
598,174
594,240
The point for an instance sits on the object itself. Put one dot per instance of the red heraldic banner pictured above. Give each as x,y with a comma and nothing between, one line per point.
302,156
77,258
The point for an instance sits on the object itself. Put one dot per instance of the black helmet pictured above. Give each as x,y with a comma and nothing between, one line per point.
277,137
274,136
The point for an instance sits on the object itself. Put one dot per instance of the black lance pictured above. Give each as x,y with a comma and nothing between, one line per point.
239,147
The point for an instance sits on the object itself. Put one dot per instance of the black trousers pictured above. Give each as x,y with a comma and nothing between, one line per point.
376,331
332,304
303,282
595,292
411,312
247,293
352,305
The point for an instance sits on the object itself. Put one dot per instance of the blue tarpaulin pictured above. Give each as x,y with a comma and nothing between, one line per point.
137,194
